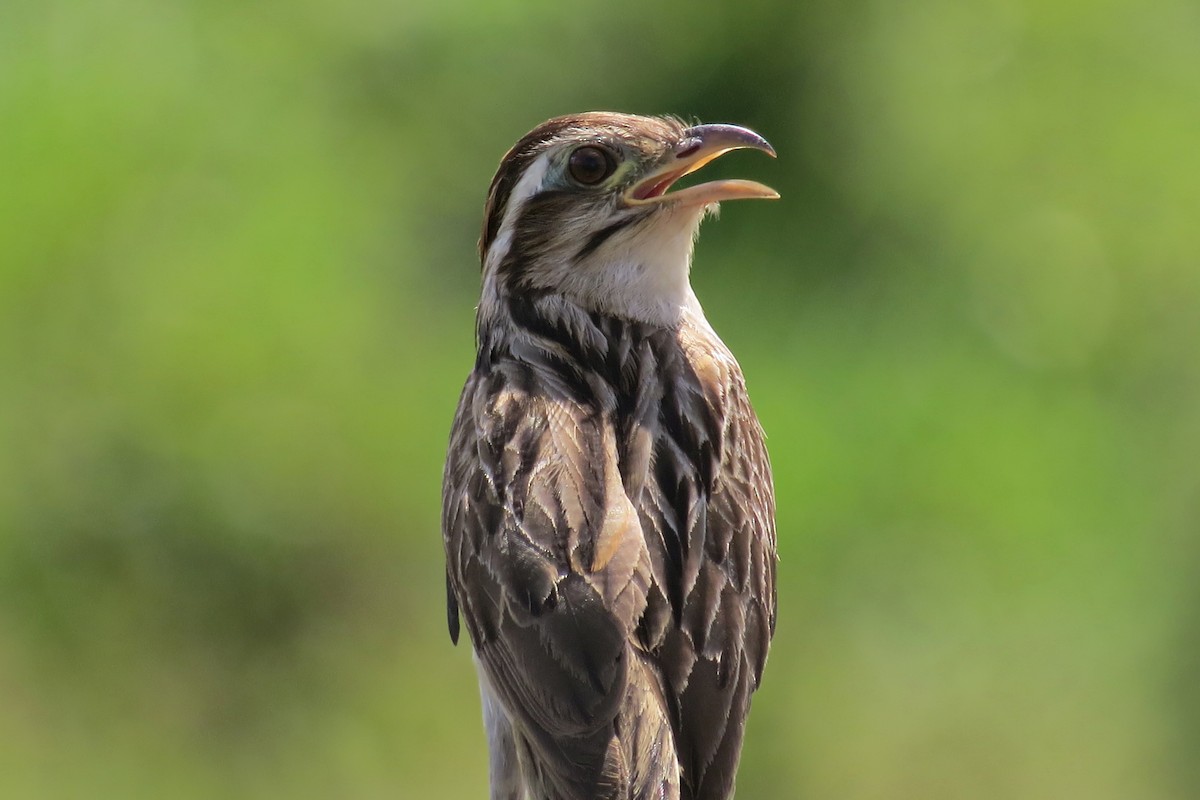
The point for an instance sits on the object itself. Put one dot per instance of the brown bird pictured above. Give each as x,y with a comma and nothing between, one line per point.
608,512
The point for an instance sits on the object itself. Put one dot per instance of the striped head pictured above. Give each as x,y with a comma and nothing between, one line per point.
580,208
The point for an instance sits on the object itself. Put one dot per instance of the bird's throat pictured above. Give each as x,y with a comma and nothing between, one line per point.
643,275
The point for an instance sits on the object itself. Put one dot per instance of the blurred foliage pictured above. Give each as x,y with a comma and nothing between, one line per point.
237,278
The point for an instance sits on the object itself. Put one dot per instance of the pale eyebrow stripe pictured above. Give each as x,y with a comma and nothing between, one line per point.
529,185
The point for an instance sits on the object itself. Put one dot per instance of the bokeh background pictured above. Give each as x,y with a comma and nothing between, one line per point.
237,280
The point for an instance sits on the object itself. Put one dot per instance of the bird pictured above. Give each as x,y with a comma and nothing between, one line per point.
608,512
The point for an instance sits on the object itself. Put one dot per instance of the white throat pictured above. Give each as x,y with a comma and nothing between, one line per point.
643,274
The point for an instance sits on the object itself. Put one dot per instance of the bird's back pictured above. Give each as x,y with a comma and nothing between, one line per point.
609,529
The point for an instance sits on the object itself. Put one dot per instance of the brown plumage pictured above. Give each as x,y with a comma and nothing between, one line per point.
608,513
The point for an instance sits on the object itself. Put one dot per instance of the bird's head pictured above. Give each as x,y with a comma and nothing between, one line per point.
580,207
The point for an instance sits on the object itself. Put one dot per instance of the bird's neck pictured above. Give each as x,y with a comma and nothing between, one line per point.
642,273
557,320
551,330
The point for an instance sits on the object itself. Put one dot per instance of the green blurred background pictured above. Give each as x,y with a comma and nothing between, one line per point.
237,280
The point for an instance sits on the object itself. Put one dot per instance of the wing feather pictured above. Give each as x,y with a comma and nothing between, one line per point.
713,661
547,560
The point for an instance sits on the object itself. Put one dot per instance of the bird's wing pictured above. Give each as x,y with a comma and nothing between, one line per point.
546,559
708,511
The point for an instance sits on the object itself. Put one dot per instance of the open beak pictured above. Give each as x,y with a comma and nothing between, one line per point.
700,145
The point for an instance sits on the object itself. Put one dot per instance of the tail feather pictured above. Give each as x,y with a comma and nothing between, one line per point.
633,756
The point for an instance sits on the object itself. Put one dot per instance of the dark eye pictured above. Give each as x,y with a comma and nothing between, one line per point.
589,165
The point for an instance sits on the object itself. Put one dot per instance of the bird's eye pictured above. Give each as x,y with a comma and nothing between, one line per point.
590,164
